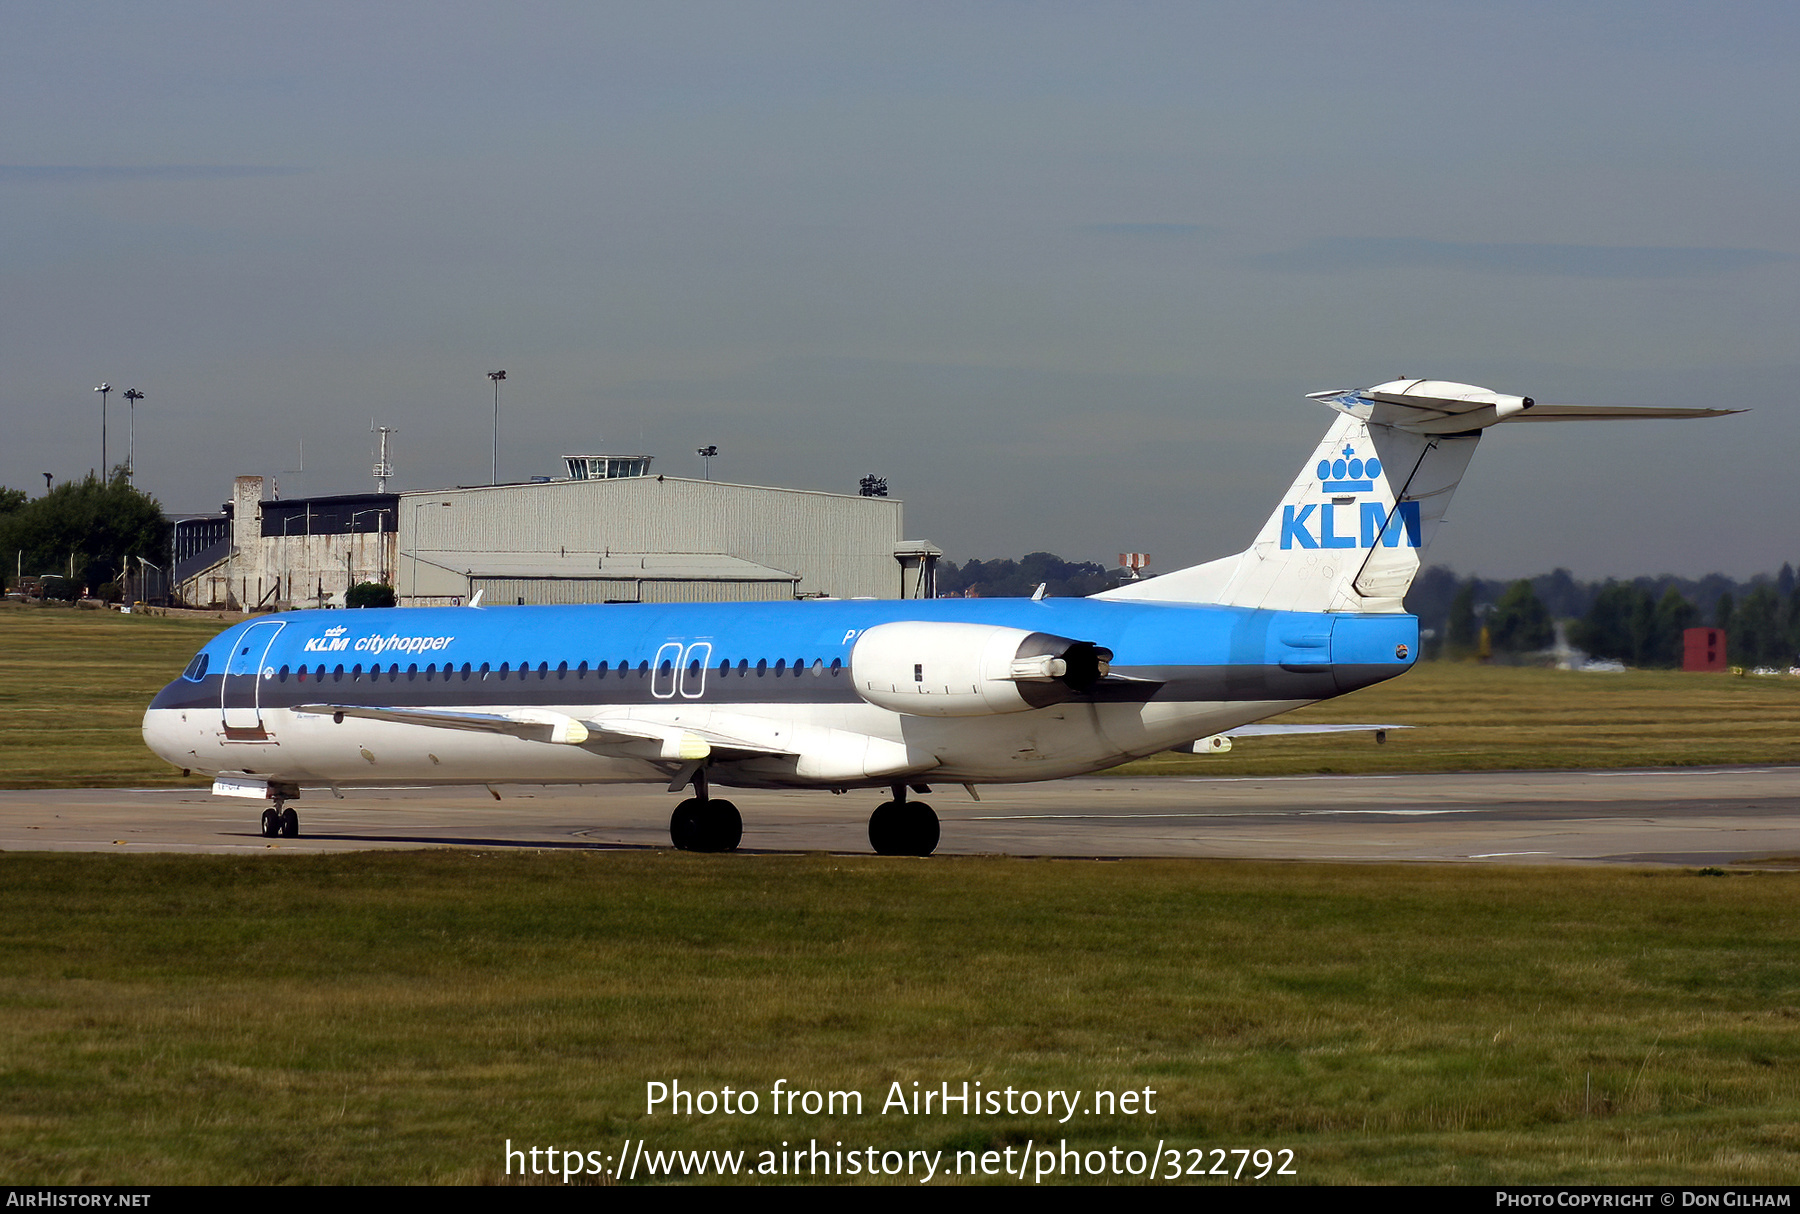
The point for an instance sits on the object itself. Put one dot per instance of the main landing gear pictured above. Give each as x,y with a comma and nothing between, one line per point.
701,823
278,821
903,828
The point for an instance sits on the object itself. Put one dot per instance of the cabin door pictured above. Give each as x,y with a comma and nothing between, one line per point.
240,692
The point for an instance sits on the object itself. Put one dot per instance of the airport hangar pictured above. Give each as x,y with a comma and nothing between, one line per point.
609,531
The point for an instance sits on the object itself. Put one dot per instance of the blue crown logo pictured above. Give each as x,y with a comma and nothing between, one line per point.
1348,474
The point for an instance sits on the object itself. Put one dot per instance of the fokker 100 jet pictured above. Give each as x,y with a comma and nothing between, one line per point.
857,694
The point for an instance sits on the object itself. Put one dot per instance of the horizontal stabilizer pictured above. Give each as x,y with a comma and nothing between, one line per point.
1601,413
1437,406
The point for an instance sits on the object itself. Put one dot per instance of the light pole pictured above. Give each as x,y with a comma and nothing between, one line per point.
418,506
496,376
103,389
133,396
285,564
706,453
380,550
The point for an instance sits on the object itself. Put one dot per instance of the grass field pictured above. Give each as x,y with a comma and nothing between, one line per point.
396,1017
73,686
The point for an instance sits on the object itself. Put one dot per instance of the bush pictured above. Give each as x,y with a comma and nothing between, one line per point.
370,594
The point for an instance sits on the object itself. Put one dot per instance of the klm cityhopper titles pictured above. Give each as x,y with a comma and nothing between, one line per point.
844,695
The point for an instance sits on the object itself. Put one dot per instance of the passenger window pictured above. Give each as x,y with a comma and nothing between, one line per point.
319,674
644,668
562,670
504,667
837,664
780,667
818,667
600,670
484,670
356,672
762,667
430,671
412,671
282,674
581,671
743,667
465,672
337,673
543,670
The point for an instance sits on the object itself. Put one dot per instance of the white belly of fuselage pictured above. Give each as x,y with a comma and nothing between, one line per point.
1042,744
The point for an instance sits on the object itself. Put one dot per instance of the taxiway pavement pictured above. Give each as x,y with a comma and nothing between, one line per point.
1680,816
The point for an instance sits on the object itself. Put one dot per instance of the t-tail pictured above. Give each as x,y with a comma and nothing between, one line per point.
1352,530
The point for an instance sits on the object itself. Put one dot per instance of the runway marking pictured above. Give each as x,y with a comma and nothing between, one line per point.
1494,855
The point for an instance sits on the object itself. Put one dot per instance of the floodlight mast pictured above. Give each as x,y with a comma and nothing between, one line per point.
133,396
706,453
497,377
103,389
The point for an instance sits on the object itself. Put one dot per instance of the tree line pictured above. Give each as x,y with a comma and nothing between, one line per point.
1639,622
81,534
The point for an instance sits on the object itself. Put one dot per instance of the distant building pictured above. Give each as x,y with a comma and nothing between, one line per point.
1703,649
608,532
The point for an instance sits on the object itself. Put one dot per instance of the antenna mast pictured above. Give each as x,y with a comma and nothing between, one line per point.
383,468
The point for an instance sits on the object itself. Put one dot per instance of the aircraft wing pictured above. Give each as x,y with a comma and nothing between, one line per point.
1275,731
541,725
533,725
688,742
1220,742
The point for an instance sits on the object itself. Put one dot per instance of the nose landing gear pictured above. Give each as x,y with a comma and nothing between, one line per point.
278,821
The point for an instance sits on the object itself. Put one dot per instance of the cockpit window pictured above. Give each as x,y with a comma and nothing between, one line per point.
196,669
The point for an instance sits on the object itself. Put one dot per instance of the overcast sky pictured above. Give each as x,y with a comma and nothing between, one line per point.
1060,272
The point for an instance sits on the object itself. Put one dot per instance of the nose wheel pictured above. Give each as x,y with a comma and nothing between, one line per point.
279,822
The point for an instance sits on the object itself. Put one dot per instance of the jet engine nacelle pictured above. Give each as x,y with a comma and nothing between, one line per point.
970,670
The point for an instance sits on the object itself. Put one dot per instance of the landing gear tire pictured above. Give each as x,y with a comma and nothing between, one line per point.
724,826
712,826
903,828
290,824
684,825
271,824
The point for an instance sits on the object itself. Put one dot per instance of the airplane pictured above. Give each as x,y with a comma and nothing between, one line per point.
858,694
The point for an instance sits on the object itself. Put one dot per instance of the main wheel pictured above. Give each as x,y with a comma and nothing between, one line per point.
921,829
685,826
887,829
290,824
724,826
271,824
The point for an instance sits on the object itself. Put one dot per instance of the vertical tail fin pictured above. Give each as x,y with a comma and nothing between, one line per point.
1352,530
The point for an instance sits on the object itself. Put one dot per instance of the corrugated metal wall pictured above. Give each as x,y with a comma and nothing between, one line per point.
839,545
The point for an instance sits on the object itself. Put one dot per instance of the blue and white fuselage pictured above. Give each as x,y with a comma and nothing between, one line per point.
767,694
